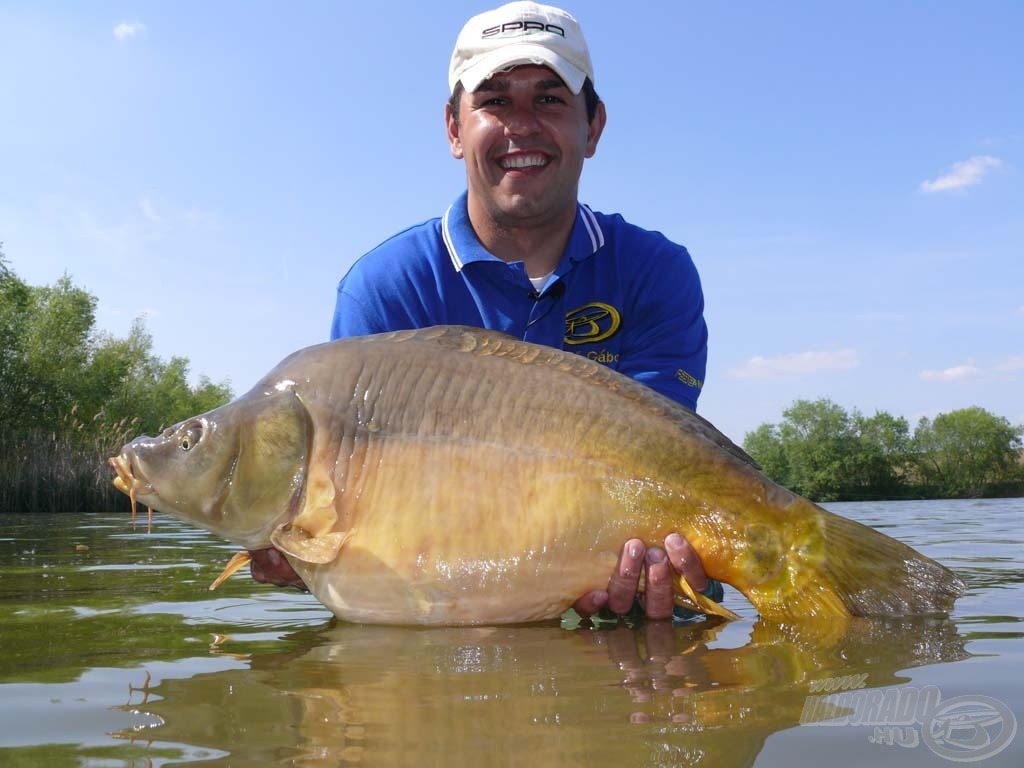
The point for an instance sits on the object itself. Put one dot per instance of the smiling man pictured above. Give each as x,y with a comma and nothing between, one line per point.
518,253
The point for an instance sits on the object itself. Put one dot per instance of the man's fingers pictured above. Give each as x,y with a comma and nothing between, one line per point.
591,603
686,561
661,567
660,641
624,582
658,596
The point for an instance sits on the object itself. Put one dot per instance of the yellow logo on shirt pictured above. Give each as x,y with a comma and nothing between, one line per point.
590,323
689,379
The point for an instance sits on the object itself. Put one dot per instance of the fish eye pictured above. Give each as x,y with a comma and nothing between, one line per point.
190,437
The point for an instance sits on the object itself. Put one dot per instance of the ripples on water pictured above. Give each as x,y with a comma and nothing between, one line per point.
115,654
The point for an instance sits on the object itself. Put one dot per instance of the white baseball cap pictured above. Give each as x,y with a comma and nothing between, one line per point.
520,33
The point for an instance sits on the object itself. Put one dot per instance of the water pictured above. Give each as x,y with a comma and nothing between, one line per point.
115,654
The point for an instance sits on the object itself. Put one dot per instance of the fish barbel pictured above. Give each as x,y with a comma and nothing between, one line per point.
459,476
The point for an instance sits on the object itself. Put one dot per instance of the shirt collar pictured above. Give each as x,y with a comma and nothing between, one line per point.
464,248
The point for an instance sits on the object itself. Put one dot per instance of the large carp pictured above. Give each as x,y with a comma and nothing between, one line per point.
459,476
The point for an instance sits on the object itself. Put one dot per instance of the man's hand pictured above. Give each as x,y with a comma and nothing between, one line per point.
662,566
269,566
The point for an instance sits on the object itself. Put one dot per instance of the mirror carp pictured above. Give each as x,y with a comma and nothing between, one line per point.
455,475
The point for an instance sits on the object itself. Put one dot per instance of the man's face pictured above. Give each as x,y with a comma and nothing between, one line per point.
524,136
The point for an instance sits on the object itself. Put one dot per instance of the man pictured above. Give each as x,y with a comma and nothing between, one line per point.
518,253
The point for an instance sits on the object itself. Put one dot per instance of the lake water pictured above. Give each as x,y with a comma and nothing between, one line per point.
115,654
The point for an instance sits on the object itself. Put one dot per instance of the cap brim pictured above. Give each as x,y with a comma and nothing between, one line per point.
517,55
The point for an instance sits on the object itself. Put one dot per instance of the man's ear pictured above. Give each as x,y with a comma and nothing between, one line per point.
452,128
595,129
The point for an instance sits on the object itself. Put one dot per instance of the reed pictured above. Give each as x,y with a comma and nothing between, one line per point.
62,470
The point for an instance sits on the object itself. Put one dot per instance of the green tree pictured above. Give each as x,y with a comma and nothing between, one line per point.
825,453
822,452
55,348
138,386
818,440
883,452
69,396
765,446
967,452
15,303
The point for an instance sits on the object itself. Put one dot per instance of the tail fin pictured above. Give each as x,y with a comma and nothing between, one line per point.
875,575
849,569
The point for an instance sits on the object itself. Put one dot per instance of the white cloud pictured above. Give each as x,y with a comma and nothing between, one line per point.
796,364
963,174
969,370
956,373
1015,363
126,29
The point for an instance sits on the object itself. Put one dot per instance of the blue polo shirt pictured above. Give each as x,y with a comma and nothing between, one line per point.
623,296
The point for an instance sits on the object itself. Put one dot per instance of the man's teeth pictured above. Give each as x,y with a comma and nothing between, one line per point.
523,161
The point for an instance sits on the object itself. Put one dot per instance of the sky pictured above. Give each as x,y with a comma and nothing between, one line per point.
846,176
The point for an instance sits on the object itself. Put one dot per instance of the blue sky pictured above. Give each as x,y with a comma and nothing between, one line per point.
847,177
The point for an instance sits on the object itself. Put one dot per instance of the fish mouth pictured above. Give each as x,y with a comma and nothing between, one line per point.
130,481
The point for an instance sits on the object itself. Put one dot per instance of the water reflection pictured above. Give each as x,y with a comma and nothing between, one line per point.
709,693
115,654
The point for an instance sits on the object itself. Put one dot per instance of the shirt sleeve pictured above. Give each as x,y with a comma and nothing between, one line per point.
375,297
666,344
353,317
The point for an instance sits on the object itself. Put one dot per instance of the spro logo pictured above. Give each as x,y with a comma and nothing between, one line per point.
590,323
688,379
519,28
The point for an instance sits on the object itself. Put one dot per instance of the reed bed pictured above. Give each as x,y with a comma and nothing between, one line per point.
65,470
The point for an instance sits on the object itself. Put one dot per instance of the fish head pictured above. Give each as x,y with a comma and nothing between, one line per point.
239,470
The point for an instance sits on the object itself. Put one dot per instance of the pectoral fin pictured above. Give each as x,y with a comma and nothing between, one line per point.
240,560
302,545
699,602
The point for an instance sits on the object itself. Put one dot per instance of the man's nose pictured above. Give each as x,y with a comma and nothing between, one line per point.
522,121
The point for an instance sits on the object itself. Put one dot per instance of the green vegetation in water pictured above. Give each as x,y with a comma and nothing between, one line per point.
826,454
70,396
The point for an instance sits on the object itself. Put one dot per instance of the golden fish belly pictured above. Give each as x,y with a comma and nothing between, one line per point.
471,531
